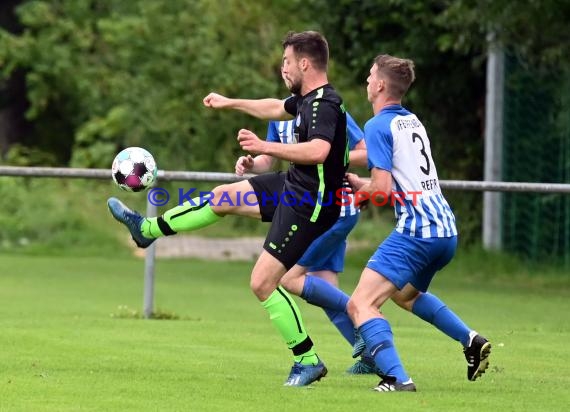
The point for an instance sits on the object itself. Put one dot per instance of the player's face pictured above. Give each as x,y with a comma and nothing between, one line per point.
291,72
373,84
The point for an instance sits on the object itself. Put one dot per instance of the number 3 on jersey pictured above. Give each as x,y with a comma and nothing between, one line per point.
423,152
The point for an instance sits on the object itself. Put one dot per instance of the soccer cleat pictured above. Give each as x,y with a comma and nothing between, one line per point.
359,345
303,375
363,366
131,219
477,356
389,384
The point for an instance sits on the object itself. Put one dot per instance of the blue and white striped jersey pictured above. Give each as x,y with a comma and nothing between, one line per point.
397,142
282,132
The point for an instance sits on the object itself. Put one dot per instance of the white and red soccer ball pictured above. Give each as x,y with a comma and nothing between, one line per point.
134,169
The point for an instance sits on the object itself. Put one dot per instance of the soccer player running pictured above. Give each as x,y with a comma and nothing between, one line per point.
425,237
318,166
325,257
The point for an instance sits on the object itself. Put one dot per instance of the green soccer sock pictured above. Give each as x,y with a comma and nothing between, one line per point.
285,315
183,218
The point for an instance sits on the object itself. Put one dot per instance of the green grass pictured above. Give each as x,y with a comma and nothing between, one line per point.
64,347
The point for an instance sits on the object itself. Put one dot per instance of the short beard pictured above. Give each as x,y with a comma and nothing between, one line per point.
295,88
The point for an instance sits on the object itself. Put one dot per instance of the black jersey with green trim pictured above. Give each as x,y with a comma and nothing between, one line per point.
318,115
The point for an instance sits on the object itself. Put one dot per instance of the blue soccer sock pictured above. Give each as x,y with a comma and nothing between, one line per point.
343,323
377,335
319,292
431,309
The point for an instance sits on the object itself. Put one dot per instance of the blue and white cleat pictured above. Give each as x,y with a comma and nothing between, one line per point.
131,219
303,375
359,346
363,366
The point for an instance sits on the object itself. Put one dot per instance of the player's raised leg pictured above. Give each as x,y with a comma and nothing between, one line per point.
189,216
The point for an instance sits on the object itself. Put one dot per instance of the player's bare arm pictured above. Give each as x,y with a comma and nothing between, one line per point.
270,109
312,152
358,155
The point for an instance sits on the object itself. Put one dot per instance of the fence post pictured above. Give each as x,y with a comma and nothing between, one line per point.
492,210
149,261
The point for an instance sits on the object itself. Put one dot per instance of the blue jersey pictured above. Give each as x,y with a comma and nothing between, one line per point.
397,142
282,132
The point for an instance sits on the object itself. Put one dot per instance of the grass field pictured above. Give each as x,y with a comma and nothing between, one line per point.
69,343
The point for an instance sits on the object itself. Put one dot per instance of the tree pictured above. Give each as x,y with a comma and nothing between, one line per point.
110,74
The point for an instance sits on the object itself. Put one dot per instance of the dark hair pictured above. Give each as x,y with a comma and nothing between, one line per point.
309,44
400,73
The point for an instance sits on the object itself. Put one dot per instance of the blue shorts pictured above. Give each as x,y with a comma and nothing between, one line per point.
404,259
327,251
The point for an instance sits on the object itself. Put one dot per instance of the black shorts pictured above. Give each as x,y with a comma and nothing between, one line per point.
267,188
290,234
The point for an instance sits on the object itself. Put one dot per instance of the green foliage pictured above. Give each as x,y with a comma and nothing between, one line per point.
534,30
55,217
20,155
536,133
135,73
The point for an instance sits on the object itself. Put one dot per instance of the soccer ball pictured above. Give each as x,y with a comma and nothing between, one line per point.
134,169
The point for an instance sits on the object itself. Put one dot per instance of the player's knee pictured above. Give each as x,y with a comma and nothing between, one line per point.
399,302
406,300
223,199
220,191
287,283
261,288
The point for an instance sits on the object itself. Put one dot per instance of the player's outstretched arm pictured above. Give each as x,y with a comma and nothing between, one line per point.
270,109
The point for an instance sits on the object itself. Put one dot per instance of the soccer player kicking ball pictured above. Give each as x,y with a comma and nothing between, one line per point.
318,166
324,259
425,237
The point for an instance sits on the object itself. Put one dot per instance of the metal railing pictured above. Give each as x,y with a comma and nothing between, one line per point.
163,175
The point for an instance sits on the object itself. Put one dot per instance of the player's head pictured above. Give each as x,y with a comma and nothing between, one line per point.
390,75
302,52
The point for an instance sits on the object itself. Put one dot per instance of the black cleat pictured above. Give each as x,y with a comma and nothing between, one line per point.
389,384
477,356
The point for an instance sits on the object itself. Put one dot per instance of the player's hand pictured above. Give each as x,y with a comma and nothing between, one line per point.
250,142
361,200
216,101
355,181
244,164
